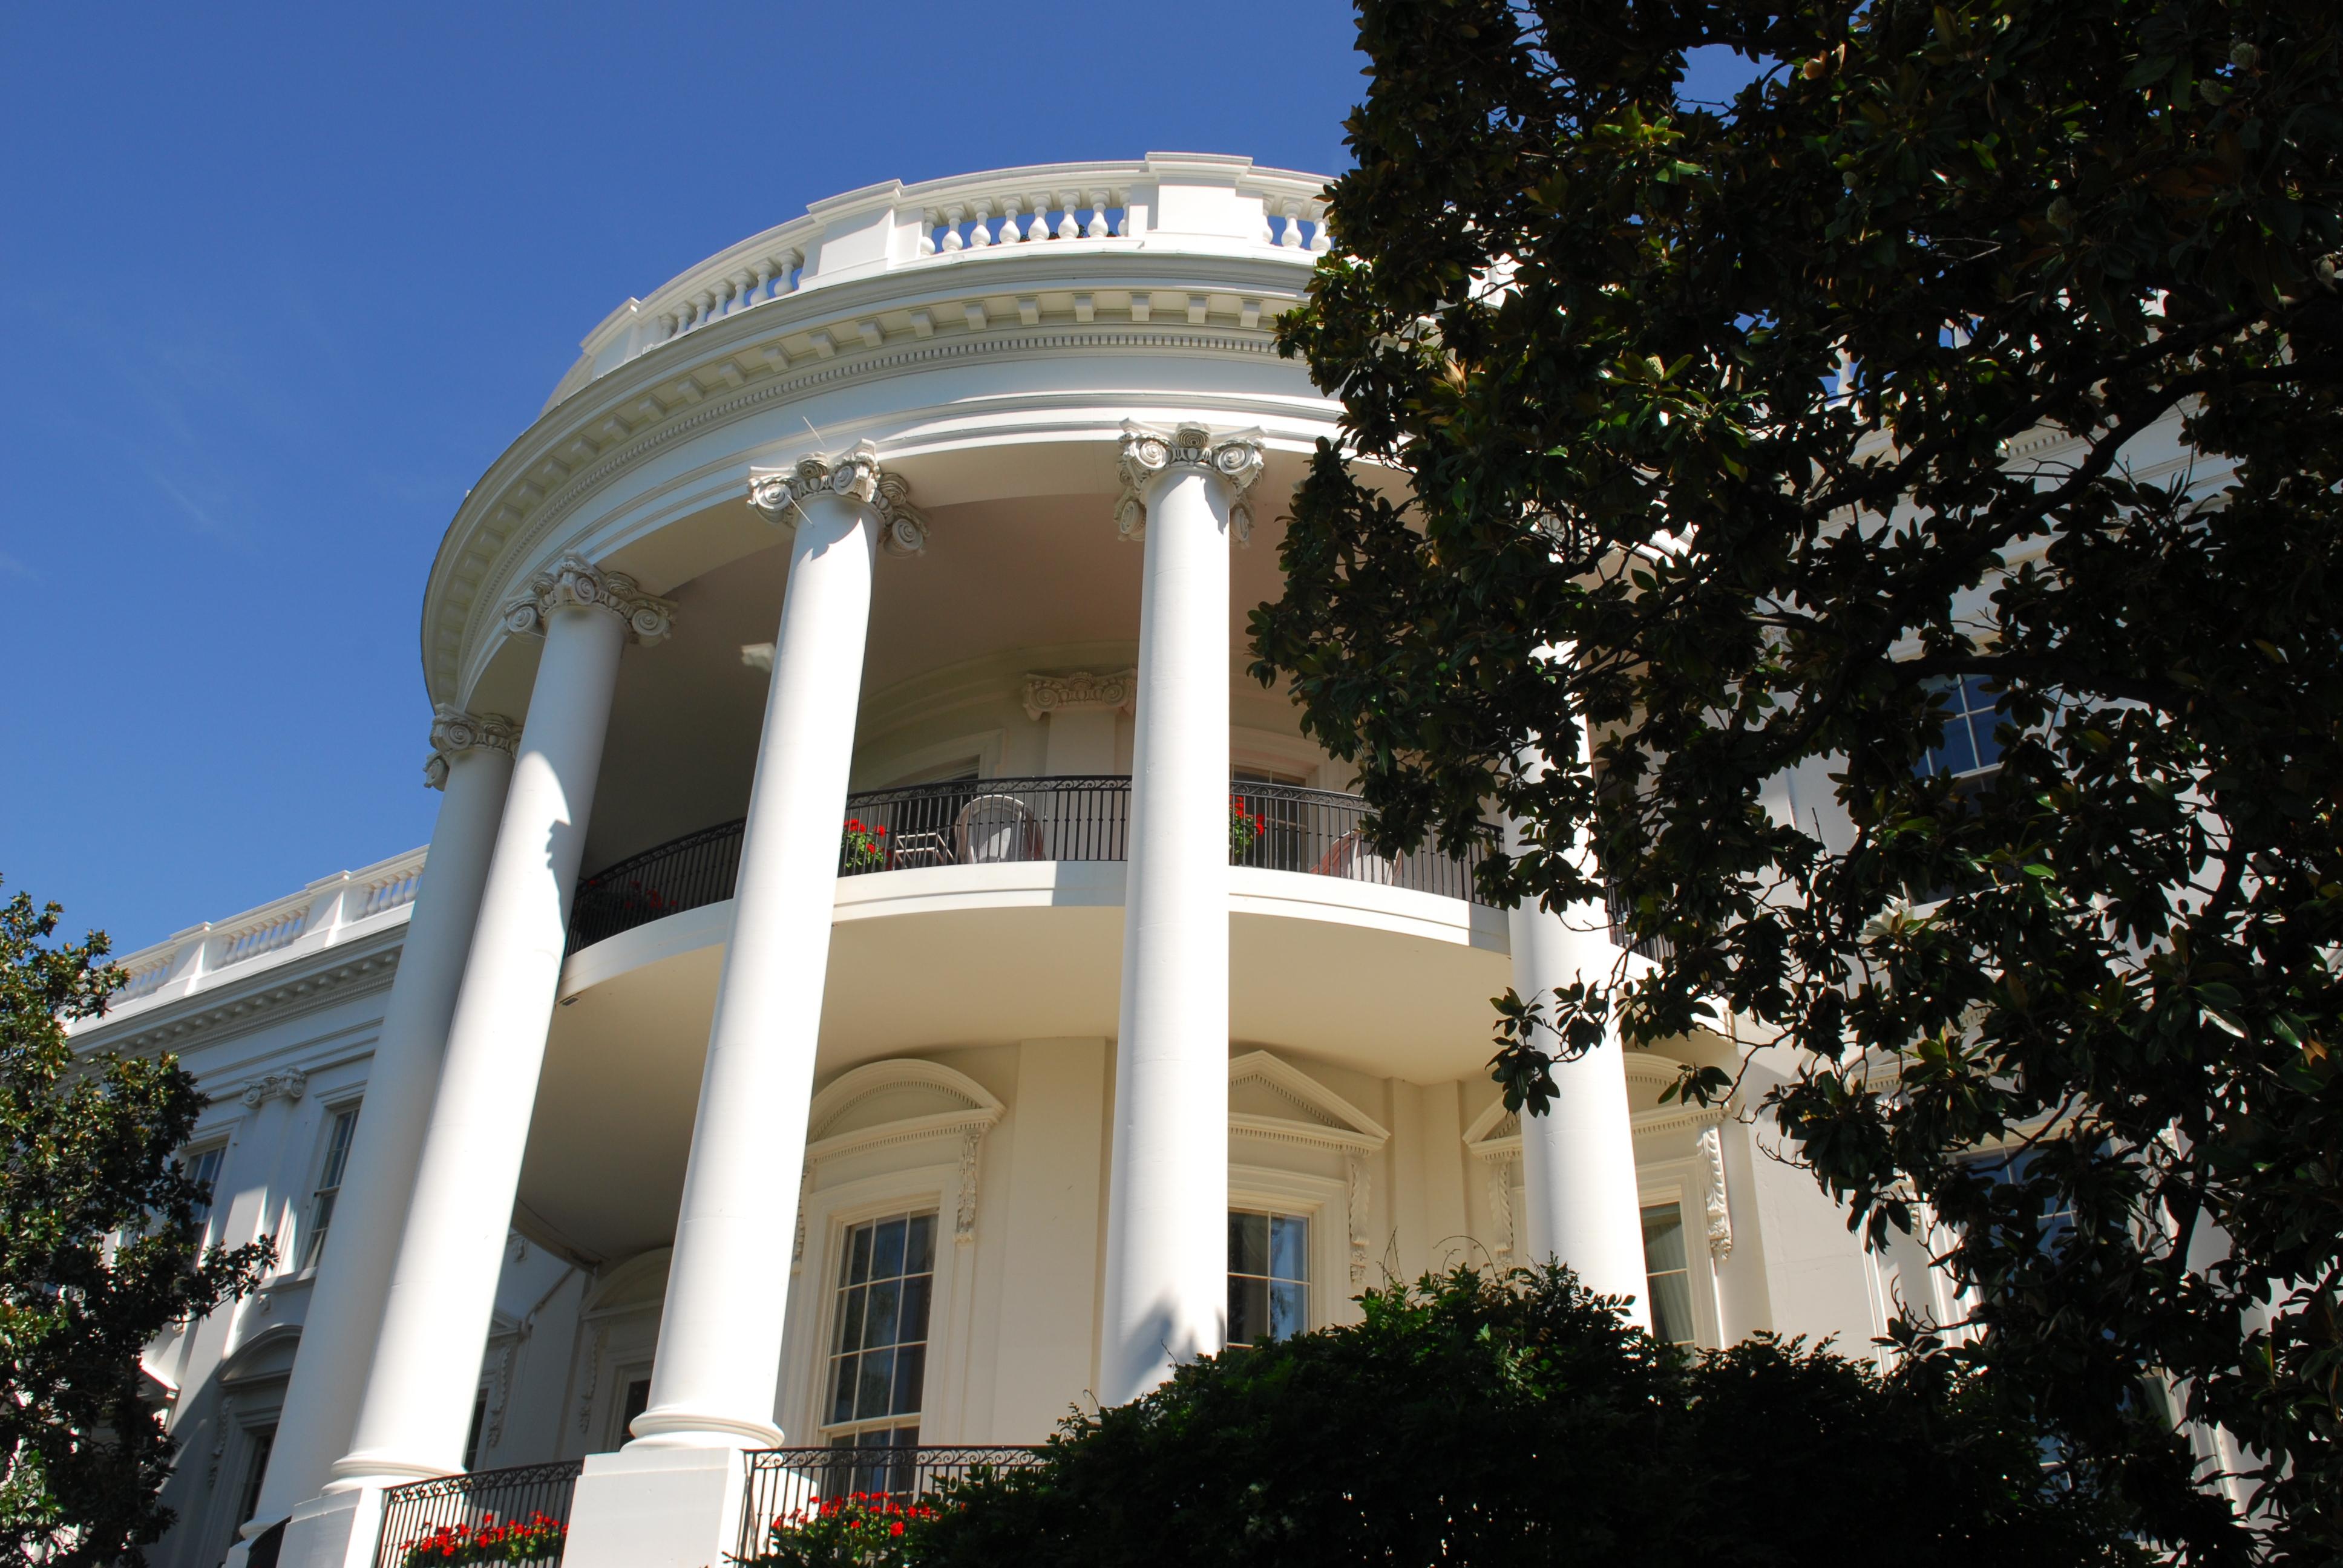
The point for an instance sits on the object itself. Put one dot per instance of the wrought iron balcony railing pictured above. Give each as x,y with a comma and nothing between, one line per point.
994,821
517,1516
790,1487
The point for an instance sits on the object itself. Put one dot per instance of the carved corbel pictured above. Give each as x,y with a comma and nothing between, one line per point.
1719,1212
455,731
289,1085
777,494
1144,453
575,580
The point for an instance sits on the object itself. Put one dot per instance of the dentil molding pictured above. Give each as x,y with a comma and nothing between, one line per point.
1145,453
575,580
455,731
855,474
1081,691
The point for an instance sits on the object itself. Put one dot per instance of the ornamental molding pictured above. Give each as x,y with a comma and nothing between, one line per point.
966,1111
1320,1119
779,495
507,530
289,1085
573,580
1145,454
1081,691
1717,1209
455,731
213,1010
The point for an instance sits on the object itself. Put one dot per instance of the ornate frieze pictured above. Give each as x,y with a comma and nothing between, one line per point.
453,731
575,580
1079,690
855,474
1145,452
291,1084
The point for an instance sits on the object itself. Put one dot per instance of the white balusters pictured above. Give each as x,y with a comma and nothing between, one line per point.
1067,202
1039,227
929,218
1320,240
1096,230
1292,238
953,216
980,231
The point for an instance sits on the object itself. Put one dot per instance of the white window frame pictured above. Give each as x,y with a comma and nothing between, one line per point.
829,1212
309,1235
1324,1203
1683,1184
833,1431
188,1158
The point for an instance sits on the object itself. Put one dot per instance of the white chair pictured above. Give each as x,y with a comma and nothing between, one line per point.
996,830
1351,858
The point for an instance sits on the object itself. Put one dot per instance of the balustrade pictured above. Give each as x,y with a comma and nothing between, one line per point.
518,1516
789,1488
996,821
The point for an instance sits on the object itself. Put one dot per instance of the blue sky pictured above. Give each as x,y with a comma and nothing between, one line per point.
277,284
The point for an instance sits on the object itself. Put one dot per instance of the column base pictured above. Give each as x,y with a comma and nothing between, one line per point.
335,1530
655,1508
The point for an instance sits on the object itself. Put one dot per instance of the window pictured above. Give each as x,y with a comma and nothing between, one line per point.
1669,1274
878,1353
472,1436
637,1399
202,1170
2057,1216
1969,749
329,1184
258,1441
1269,1276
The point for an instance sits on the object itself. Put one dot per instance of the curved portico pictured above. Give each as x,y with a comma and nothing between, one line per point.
943,506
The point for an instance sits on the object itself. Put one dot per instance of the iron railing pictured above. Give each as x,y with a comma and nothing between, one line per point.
789,1485
990,821
533,1497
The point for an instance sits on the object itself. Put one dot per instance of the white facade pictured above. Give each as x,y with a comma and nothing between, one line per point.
939,509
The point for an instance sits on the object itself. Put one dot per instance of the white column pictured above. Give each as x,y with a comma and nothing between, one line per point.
719,1344
418,1394
1579,1200
1166,1298
471,759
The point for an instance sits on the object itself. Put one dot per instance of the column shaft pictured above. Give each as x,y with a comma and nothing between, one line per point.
1579,1202
344,1312
719,1346
418,1395
1166,1298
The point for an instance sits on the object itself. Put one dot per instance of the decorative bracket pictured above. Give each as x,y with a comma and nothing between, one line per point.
778,494
290,1084
1059,693
1144,453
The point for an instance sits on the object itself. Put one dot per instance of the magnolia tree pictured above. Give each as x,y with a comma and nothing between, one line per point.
1819,431
100,1251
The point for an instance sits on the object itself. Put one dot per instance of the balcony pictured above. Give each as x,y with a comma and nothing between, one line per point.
787,1488
1003,822
518,1516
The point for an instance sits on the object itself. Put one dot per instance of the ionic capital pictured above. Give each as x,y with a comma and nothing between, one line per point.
1145,454
575,580
855,474
455,731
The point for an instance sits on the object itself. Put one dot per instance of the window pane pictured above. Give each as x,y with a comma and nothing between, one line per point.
910,1372
1248,1244
850,1318
919,1245
841,1404
1289,1312
1664,1238
875,1389
1247,1310
859,1254
879,1317
1672,1309
1289,1247
913,1323
887,1251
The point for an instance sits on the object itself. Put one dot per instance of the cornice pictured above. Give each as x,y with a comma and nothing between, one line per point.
623,419
287,990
